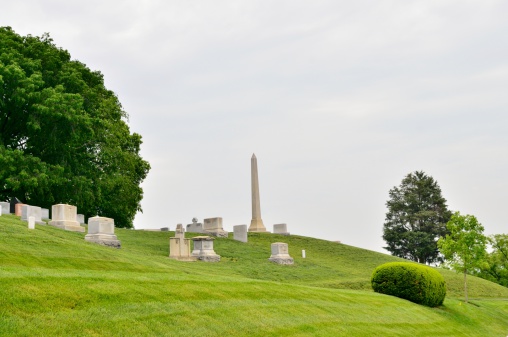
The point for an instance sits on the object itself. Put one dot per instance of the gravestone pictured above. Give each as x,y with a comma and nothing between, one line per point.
80,218
17,209
240,233
45,213
31,222
12,205
5,206
203,249
280,229
101,230
213,226
195,227
64,216
280,253
164,229
27,211
179,246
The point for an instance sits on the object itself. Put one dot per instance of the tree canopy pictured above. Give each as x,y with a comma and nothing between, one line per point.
464,248
416,219
63,134
495,267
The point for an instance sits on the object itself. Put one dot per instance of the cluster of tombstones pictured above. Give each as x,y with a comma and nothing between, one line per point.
101,230
180,247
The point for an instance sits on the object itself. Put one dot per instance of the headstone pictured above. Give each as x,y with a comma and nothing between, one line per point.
203,249
280,253
303,253
31,222
17,209
64,216
80,218
213,226
101,230
280,229
240,233
195,227
12,205
28,211
164,229
179,246
45,213
5,206
256,224
0,211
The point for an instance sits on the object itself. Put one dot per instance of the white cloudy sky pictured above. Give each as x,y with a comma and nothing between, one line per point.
338,99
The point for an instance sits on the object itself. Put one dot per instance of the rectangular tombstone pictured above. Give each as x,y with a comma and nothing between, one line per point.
45,213
64,216
164,229
101,230
240,233
17,209
203,249
280,253
27,211
195,227
213,226
80,218
280,229
31,222
5,206
179,246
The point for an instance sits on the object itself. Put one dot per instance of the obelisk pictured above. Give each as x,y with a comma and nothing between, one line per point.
256,224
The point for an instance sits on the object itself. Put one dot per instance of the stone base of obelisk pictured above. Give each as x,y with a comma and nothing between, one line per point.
256,225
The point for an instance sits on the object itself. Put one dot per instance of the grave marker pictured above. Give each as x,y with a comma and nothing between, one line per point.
64,216
101,230
280,253
240,233
203,249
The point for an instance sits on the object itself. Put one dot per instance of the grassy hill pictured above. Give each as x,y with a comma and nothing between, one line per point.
52,282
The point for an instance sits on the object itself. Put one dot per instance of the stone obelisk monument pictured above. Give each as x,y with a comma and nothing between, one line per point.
256,224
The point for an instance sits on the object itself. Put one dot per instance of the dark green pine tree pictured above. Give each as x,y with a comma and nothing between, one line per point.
416,219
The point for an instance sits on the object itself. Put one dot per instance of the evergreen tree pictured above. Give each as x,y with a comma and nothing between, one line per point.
416,219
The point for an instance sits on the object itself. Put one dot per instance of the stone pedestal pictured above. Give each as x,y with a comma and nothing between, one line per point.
101,230
240,233
280,229
203,249
28,211
179,246
213,226
280,253
64,216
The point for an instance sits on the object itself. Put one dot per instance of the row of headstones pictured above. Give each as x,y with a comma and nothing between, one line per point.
26,211
213,226
179,248
101,230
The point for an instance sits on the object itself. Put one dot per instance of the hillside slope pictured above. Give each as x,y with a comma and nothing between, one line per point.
52,282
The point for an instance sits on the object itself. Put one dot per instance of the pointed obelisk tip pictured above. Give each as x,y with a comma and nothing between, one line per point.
253,156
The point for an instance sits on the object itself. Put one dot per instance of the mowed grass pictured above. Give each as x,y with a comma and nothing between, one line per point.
52,282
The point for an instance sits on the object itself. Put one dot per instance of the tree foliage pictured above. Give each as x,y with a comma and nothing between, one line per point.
465,247
416,219
63,135
495,268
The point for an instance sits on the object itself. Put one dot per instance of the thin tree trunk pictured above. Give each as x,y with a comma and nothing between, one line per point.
465,284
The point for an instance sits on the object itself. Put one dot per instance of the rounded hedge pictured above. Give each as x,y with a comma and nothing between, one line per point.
416,283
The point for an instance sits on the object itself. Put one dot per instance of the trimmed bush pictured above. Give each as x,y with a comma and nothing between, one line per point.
416,283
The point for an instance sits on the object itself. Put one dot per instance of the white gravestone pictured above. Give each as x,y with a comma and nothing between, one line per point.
240,233
44,213
31,222
303,253
203,249
195,226
280,229
28,211
5,206
80,218
280,253
213,226
101,230
179,246
64,216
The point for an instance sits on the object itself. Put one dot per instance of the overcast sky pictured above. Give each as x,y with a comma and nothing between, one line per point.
339,100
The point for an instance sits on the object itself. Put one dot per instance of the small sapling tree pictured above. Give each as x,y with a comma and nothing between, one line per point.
465,247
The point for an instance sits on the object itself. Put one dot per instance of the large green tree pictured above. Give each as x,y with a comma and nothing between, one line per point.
495,267
416,219
465,247
63,134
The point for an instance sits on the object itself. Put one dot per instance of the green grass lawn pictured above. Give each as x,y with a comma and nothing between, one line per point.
52,282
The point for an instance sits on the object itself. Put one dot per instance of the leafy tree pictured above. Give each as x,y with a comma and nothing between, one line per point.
465,247
495,268
416,218
63,135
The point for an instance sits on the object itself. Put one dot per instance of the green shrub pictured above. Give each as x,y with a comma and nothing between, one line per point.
416,283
